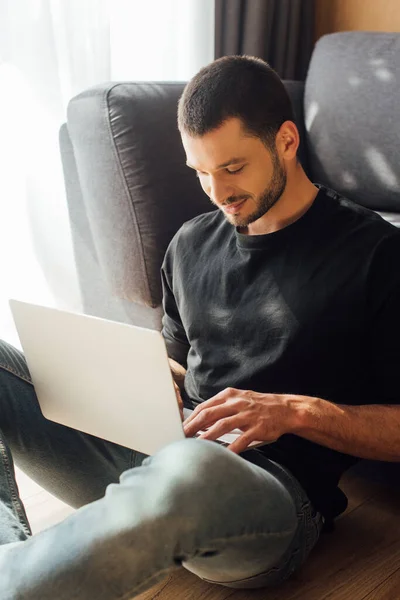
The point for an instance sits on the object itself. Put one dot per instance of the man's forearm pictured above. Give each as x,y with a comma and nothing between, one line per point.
178,372
367,431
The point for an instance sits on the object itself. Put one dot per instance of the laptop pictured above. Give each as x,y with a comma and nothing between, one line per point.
111,380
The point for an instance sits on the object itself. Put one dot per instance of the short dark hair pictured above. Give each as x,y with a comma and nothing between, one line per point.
235,86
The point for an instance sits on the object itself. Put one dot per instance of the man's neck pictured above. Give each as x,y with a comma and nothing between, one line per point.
297,198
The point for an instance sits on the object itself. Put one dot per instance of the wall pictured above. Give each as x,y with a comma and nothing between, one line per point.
367,15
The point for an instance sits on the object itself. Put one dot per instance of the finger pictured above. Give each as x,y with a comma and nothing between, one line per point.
209,416
223,426
219,398
224,395
200,408
241,443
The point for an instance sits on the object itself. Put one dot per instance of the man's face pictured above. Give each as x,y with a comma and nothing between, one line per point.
241,176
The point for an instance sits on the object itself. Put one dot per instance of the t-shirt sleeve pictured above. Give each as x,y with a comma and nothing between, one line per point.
173,330
383,335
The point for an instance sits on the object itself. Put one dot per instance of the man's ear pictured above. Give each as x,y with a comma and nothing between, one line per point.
288,140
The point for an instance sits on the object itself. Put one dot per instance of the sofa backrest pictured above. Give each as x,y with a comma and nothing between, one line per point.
352,118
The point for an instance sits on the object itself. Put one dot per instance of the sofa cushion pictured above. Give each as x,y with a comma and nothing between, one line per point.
352,116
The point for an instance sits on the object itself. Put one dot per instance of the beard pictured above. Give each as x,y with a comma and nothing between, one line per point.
265,200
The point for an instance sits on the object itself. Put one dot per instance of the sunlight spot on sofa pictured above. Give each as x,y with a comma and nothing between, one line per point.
381,168
311,113
355,80
348,180
384,74
377,62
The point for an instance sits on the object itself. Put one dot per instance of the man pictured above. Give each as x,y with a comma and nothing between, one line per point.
281,319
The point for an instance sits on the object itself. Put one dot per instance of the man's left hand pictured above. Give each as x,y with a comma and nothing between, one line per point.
261,417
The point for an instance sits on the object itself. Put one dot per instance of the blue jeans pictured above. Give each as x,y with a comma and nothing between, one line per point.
239,521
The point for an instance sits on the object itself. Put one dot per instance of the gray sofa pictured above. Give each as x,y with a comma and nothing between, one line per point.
129,190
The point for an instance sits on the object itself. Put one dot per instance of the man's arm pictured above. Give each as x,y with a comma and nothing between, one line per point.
178,372
367,431
178,375
173,331
373,430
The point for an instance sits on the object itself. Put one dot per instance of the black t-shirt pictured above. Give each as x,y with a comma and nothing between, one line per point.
312,309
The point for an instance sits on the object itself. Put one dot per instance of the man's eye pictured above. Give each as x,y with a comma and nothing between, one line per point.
237,171
231,172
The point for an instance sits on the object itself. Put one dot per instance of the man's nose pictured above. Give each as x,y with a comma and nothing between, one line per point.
218,191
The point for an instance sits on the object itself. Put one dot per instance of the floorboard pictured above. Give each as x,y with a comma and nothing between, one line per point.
388,589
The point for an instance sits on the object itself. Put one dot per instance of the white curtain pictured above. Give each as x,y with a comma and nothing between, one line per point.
51,50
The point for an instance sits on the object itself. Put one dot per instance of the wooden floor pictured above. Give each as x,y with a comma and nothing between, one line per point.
359,561
43,510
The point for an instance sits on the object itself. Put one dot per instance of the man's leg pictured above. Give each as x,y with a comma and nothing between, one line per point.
194,504
14,524
74,466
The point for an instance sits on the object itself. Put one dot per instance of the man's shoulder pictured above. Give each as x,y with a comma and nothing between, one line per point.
201,228
198,238
357,216
202,221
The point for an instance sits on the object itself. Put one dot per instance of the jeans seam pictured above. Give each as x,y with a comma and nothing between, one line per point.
13,490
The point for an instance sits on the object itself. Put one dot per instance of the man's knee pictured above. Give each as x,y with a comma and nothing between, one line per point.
195,470
195,460
202,480
6,348
181,480
206,481
13,361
